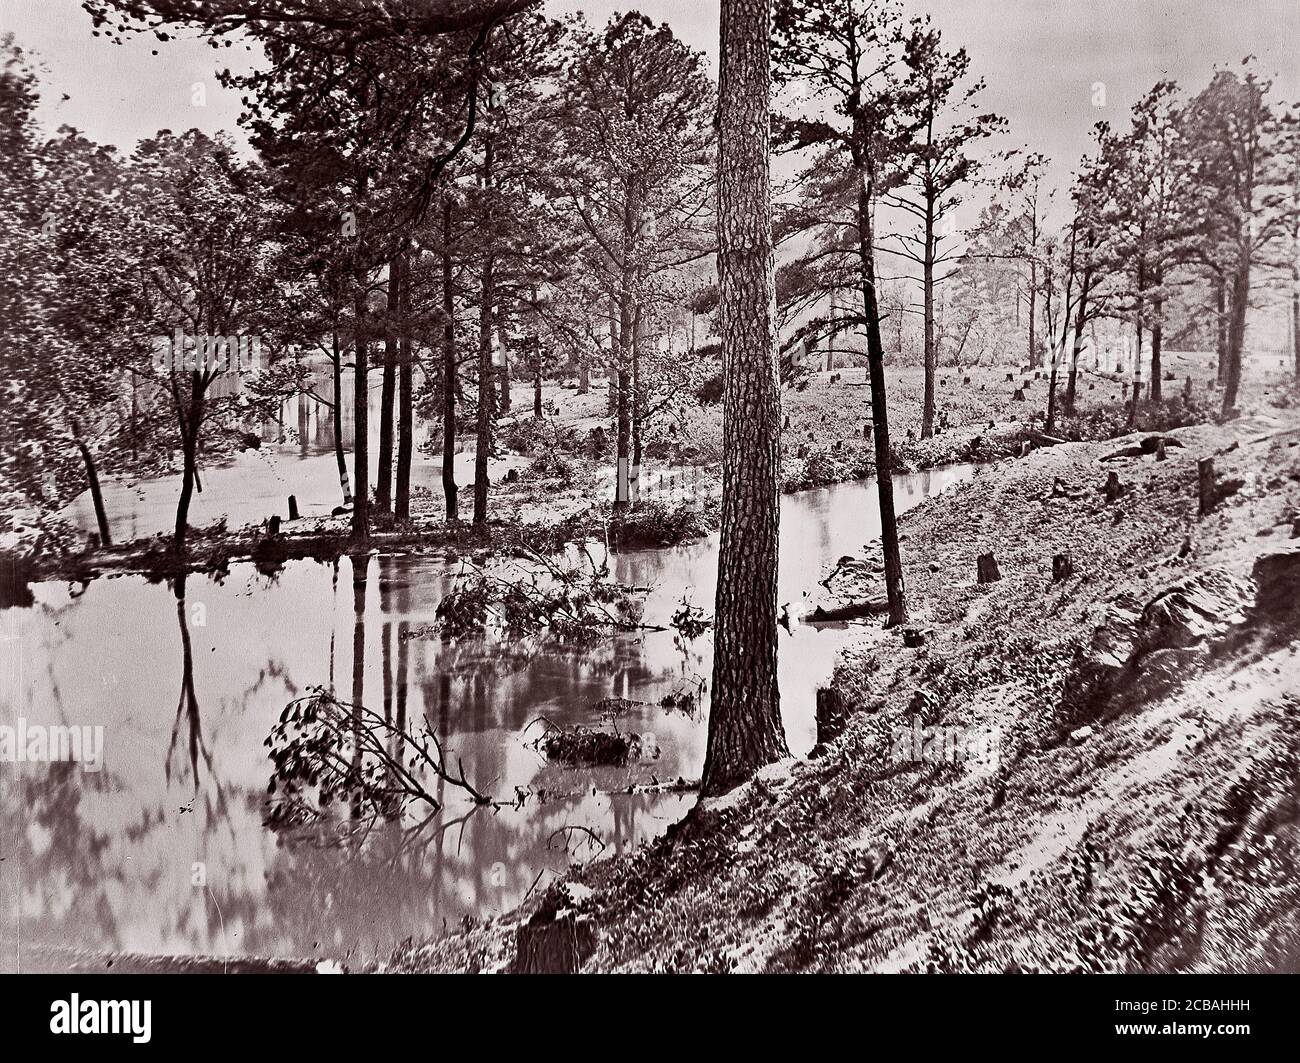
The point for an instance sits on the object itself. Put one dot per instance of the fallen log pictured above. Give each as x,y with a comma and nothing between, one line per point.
850,611
1147,445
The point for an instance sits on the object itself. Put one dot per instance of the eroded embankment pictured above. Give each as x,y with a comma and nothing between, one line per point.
1092,772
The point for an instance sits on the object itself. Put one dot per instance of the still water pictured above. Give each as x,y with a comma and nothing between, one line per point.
164,849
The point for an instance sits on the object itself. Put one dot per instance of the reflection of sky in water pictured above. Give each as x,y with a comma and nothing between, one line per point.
108,861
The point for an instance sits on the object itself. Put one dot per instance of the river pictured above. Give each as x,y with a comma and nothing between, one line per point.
164,849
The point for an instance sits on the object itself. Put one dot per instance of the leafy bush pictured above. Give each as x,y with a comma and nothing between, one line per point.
551,465
659,523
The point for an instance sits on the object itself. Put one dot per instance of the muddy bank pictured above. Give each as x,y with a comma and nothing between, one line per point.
1083,767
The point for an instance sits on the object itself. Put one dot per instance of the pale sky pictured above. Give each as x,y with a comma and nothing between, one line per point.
1040,58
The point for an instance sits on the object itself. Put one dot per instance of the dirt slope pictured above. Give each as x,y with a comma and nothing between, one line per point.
1118,788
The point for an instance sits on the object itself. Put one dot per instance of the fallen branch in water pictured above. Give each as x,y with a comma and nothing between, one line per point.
569,604
327,751
591,835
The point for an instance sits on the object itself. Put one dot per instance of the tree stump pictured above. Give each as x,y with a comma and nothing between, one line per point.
787,420
1018,396
1011,376
554,943
986,569
1062,567
866,430
965,380
832,714
293,507
1187,388
1205,485
1160,450
913,637
1113,488
273,525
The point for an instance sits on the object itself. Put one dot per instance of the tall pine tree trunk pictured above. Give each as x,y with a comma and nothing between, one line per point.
405,382
1033,298
1236,333
1221,328
611,373
638,396
931,355
1295,323
486,395
387,393
745,729
486,383
894,590
1157,329
1080,317
96,495
337,413
361,414
623,458
189,425
449,374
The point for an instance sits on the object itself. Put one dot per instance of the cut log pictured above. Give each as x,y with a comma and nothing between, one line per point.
1062,567
832,714
986,569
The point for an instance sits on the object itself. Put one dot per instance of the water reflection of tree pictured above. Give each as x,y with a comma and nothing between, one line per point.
188,716
67,871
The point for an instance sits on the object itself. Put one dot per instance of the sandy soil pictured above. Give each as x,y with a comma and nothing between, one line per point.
1149,824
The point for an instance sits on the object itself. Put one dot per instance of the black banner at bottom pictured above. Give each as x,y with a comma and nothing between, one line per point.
1227,1013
